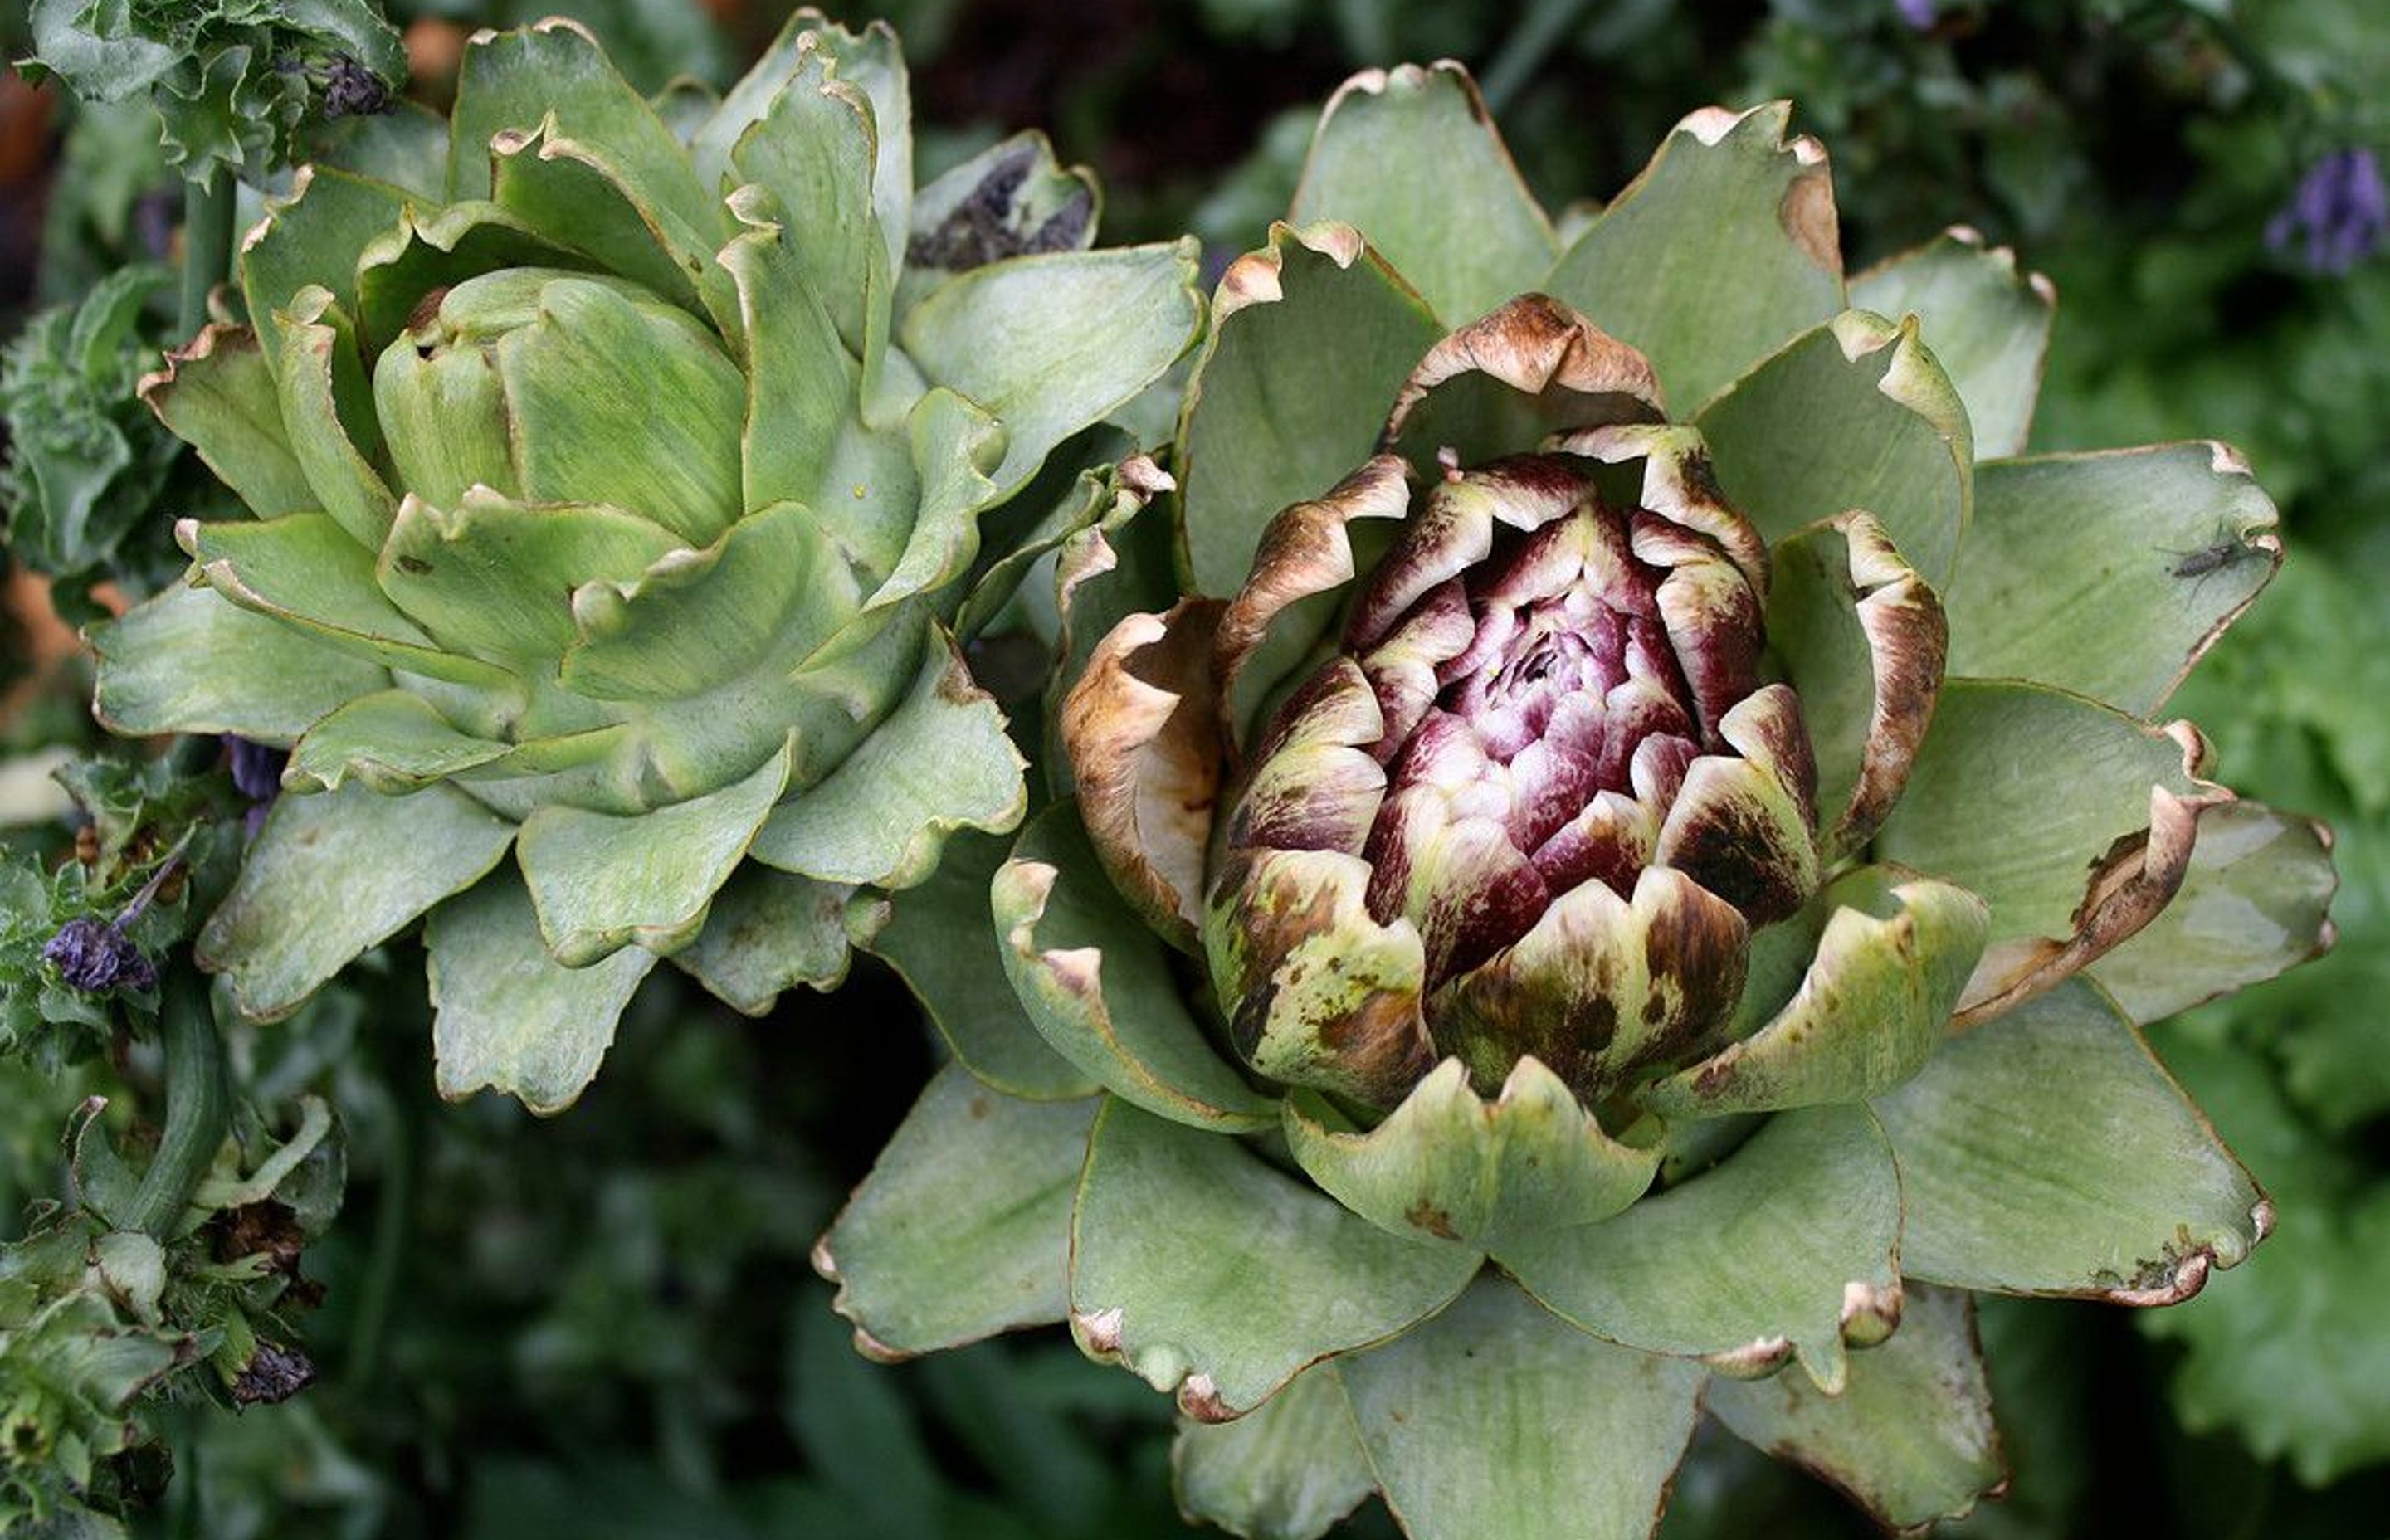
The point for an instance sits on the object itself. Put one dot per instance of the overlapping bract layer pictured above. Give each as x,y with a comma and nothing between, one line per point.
1540,697
618,489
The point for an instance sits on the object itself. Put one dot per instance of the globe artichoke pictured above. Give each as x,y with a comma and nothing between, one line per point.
1612,864
626,476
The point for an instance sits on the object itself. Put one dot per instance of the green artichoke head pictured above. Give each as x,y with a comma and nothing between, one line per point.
1617,843
620,473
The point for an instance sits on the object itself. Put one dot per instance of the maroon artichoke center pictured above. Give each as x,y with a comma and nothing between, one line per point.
1543,751
1567,687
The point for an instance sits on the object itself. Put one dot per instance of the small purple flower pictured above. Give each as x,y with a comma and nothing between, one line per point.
2339,215
1918,14
95,956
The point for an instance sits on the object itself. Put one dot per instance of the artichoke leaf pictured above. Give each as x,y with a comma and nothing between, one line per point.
1450,1167
938,938
1311,338
749,97
313,238
1895,954
1862,638
2253,905
519,80
426,250
218,395
692,620
1141,726
630,403
1987,323
802,386
1854,414
2047,1152
1814,1192
406,146
1411,158
940,762
685,105
1011,200
963,1228
2073,822
495,576
956,445
602,881
261,679
1049,344
333,874
1912,1437
1103,497
2110,573
328,415
1097,984
394,742
1497,1419
1318,992
1292,1470
873,63
1723,249
305,571
1103,575
1211,1273
814,148
768,931
508,1017
574,194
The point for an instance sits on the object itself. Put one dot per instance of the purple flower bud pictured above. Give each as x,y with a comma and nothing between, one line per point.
95,956
2339,215
1918,14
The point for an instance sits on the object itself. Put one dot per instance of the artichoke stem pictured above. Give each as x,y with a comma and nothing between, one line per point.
199,1107
207,244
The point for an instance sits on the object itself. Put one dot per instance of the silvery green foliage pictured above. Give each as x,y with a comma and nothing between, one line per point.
623,479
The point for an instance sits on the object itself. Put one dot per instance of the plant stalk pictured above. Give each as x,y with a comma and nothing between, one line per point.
207,244
198,1104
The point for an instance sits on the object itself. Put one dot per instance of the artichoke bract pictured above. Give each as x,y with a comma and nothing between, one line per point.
627,478
1611,851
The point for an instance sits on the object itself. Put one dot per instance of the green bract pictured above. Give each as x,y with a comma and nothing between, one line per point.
1639,860
620,474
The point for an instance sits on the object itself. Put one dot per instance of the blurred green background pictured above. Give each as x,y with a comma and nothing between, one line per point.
605,1325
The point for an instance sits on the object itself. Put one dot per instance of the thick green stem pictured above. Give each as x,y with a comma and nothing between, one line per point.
207,244
198,1105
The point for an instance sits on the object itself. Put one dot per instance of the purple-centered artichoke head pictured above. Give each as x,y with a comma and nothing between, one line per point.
1543,755
1535,796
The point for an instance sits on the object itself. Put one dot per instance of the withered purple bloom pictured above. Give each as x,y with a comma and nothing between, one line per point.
352,91
95,956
